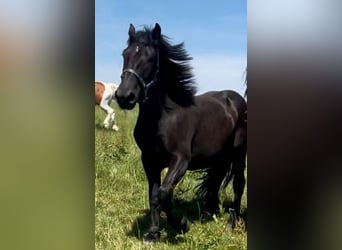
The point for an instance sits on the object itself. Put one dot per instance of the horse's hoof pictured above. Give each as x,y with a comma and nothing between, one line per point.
232,220
106,126
115,128
230,226
151,237
211,210
185,225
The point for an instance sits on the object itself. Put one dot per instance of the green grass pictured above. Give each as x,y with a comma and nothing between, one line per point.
121,198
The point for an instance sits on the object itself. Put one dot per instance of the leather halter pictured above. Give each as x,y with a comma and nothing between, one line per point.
145,86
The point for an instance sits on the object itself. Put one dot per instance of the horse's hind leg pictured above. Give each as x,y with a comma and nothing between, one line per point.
105,102
106,122
211,186
114,127
239,164
238,187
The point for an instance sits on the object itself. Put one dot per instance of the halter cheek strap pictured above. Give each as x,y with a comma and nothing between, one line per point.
145,86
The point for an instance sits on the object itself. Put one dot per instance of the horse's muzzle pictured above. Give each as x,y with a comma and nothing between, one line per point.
127,101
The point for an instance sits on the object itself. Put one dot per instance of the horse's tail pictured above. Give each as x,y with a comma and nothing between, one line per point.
207,178
213,176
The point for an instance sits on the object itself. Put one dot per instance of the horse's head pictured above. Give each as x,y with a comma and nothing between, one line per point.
140,66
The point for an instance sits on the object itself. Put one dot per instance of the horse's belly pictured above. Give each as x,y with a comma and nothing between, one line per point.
212,138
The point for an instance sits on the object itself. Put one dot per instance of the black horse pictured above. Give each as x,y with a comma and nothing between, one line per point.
178,130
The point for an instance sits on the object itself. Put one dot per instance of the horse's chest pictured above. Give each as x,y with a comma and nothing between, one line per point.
147,139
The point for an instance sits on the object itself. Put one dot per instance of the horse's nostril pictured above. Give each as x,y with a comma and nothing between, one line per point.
125,100
130,97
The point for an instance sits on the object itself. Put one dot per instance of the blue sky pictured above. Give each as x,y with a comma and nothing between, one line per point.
214,33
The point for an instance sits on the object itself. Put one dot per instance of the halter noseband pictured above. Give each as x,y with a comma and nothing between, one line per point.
145,86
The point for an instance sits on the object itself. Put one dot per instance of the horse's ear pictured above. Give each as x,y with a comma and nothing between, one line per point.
131,31
156,32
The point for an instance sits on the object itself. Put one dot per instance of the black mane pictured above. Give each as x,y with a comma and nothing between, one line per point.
175,72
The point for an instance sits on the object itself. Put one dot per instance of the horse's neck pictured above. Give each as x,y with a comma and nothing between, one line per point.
147,123
151,109
151,112
111,87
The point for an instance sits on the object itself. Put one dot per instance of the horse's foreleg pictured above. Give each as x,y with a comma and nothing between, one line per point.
177,169
153,177
154,230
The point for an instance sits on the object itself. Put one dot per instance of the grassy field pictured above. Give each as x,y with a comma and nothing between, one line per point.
121,198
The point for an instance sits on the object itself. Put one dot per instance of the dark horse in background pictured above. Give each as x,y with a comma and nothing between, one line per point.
178,130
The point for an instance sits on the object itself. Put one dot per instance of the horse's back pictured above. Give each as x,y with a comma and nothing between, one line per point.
232,100
205,127
112,86
223,95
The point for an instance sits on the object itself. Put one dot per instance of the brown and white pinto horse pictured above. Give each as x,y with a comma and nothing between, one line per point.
104,94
